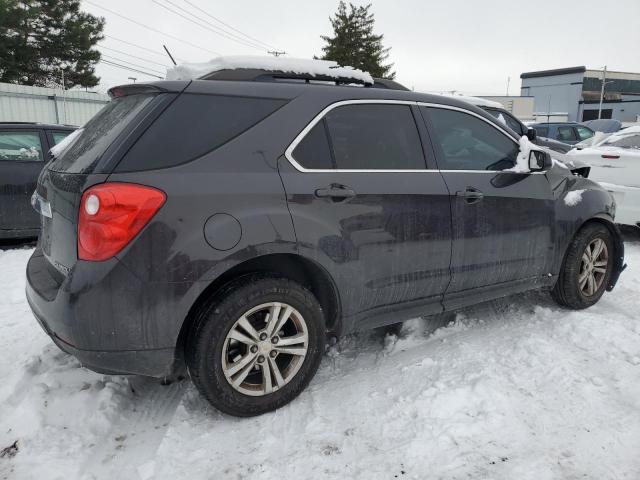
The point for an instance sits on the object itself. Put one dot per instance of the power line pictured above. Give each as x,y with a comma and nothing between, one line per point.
132,56
216,29
229,26
124,67
116,59
151,28
139,46
206,25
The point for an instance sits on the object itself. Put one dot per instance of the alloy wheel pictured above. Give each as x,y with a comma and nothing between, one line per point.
593,267
265,348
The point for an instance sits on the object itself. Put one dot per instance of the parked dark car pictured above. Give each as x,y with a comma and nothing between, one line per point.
232,226
24,149
565,132
521,129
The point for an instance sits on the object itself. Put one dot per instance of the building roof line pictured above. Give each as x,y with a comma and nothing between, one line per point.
553,72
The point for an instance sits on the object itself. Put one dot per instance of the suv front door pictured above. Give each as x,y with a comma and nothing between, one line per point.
365,207
503,222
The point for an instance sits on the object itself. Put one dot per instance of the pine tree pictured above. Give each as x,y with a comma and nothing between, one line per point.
40,38
354,44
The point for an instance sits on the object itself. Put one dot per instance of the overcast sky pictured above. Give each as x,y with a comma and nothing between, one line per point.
470,46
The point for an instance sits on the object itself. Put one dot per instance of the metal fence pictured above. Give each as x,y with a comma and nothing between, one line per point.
19,103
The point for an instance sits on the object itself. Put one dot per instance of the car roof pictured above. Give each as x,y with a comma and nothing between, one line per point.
289,91
31,125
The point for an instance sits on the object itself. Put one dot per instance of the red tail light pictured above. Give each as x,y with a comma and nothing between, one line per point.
111,214
613,157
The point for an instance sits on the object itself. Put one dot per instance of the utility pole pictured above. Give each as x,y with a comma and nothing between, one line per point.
508,82
64,98
276,53
132,78
604,78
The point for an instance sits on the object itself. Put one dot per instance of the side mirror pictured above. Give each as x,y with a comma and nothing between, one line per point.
532,134
539,160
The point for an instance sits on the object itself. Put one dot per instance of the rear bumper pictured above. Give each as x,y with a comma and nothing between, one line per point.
97,314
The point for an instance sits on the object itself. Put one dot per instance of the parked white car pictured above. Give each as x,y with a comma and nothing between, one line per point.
615,164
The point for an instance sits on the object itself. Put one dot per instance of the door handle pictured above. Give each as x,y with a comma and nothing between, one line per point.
336,192
471,195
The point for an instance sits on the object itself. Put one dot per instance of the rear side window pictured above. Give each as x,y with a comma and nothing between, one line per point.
375,137
542,131
194,125
313,151
83,154
469,143
20,146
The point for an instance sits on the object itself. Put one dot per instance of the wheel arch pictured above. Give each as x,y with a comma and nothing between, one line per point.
294,267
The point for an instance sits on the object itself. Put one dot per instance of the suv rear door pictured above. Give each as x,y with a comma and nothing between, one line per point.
22,155
367,208
503,222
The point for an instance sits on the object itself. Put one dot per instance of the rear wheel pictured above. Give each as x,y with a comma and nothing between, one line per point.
586,269
256,346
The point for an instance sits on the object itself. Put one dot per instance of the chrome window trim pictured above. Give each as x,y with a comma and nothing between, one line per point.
292,146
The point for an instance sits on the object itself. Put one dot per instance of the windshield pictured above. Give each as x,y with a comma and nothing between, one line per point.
82,153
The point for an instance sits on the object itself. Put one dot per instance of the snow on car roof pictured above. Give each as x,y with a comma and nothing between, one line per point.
477,101
305,66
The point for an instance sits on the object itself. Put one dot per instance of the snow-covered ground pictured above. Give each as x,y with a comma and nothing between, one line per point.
515,389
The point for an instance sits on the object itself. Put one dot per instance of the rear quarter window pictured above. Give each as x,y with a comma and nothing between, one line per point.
84,152
193,125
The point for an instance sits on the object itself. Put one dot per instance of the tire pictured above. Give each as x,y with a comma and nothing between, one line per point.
215,360
571,290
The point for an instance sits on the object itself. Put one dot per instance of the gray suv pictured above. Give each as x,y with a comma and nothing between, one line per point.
233,226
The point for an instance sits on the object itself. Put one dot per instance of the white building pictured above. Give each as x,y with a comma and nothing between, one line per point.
20,103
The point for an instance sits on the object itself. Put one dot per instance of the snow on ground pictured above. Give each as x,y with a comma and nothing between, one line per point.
512,389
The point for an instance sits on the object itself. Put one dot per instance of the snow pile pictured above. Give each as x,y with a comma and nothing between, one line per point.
573,198
189,71
61,146
31,152
522,162
477,101
511,389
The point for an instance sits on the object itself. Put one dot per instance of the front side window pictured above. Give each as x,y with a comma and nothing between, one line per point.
59,136
469,143
363,137
566,134
20,146
584,133
506,119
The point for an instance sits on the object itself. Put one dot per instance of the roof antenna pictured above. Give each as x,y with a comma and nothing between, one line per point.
169,53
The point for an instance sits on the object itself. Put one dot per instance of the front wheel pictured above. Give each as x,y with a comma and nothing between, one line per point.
587,268
256,346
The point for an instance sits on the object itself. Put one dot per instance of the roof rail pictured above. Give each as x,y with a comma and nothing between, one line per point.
263,75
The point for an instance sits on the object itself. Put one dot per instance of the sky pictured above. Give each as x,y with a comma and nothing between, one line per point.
472,46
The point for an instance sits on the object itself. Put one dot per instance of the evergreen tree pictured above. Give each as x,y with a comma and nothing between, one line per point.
354,44
40,38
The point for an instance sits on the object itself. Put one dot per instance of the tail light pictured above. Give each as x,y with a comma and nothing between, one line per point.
611,157
111,215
